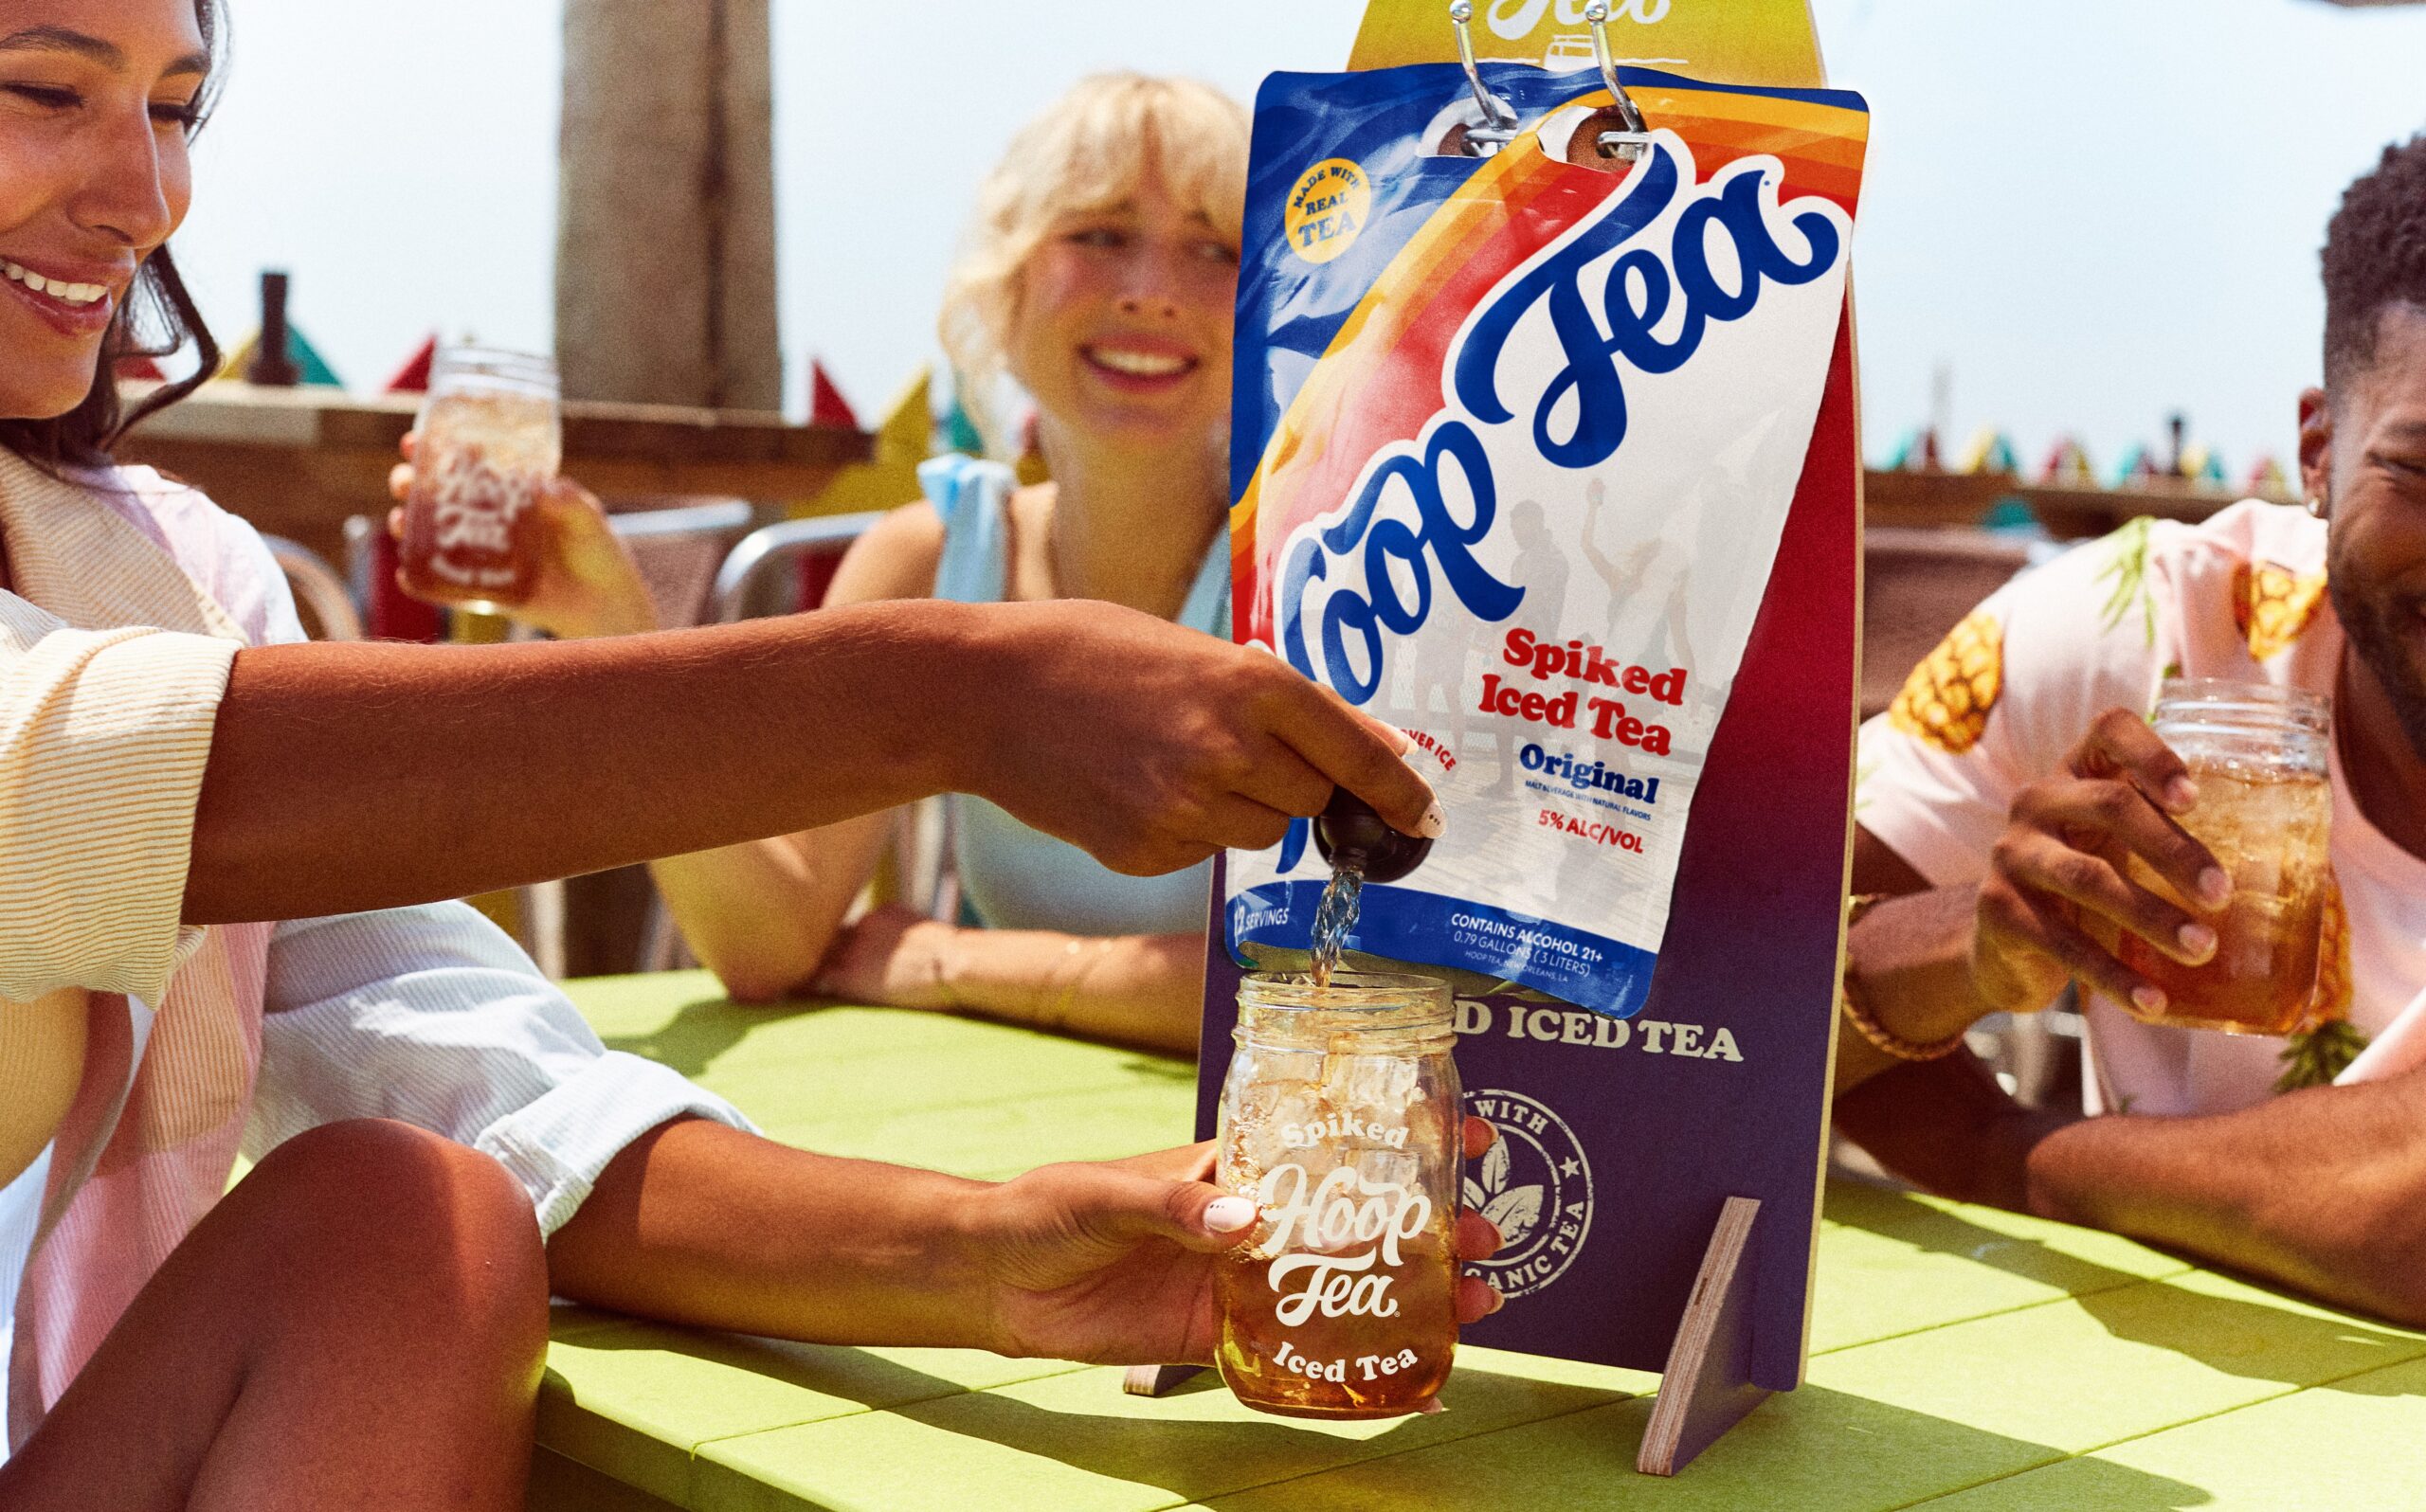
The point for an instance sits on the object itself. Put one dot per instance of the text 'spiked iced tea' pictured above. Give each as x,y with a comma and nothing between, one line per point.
2259,755
1339,1119
490,444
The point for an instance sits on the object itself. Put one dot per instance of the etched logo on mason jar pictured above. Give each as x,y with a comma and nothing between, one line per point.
477,504
490,442
1339,1117
1343,1210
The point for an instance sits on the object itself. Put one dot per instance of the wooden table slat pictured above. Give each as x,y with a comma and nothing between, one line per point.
2351,1447
1964,1359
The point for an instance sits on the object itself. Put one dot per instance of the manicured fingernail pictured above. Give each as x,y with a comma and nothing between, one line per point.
2151,999
1433,823
1228,1214
1498,1299
2180,795
2214,888
2197,939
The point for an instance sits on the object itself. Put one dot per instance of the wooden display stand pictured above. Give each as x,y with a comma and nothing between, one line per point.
1709,1281
1707,1387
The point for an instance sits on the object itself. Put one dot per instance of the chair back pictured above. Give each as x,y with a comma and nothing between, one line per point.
765,573
326,608
678,550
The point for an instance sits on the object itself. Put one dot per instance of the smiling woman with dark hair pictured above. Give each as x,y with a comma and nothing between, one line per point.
441,1142
157,317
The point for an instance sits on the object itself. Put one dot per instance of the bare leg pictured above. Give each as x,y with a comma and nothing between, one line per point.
361,1322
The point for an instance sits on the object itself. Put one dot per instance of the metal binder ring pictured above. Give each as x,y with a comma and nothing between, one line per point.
1498,126
1631,142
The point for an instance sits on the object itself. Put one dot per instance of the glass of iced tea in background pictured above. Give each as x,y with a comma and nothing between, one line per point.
490,441
2259,756
1341,1118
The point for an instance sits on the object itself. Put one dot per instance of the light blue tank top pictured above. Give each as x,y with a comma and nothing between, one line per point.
1011,876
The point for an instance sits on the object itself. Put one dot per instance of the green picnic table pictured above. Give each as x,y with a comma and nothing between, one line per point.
1962,1359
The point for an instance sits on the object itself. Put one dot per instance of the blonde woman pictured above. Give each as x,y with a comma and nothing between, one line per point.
1098,275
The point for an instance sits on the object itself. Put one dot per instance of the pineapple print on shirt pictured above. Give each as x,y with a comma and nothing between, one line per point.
1947,699
2127,567
2243,596
2272,605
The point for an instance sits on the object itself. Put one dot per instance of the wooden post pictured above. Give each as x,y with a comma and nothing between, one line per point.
665,262
665,229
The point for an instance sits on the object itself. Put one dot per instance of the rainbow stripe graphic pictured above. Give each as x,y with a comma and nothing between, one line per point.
1380,380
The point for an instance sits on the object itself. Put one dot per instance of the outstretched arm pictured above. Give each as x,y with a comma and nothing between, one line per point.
767,915
701,1224
352,777
2323,1188
1136,989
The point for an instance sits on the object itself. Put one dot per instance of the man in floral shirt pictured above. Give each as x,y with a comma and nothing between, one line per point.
2002,794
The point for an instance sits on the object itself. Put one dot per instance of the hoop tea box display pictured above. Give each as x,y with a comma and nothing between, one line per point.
1542,451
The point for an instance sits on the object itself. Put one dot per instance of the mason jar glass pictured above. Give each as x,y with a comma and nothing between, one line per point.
2260,758
490,441
1341,1118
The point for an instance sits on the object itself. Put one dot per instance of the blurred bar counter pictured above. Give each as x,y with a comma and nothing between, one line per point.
1943,501
298,462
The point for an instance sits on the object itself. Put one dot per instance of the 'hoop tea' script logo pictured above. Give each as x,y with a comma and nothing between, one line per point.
476,502
1342,1210
1628,293
1515,19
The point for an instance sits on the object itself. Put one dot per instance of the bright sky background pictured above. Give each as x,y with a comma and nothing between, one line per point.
2091,212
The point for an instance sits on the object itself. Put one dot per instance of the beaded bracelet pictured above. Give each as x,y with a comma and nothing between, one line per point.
1884,1040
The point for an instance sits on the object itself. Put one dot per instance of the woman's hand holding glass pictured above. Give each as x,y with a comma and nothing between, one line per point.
1113,1262
586,582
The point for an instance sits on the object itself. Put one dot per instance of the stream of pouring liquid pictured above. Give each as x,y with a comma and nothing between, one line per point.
1333,917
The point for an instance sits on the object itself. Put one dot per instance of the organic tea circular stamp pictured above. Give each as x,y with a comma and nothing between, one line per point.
1535,1186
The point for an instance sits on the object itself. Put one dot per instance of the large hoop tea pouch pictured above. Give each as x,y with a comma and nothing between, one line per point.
1514,440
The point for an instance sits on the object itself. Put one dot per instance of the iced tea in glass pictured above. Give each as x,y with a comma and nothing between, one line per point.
1340,1118
2259,756
490,444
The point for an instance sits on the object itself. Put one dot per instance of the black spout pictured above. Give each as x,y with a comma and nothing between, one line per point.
1348,833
